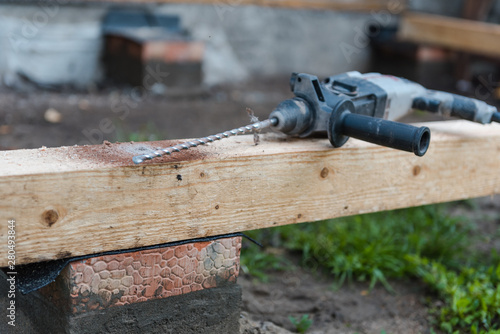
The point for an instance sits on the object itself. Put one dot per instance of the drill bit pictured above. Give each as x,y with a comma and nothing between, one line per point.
205,140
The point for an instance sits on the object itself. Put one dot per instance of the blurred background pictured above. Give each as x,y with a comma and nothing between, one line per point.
87,71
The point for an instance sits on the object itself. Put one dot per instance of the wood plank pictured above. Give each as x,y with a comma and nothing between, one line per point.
458,34
342,5
82,200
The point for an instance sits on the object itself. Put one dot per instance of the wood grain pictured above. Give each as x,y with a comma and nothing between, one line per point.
81,200
458,34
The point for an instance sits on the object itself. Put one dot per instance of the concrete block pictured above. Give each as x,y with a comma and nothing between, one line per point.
102,295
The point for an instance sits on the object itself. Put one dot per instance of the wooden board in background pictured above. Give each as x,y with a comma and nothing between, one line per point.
457,34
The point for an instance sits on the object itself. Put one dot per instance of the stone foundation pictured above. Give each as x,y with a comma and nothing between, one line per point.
187,288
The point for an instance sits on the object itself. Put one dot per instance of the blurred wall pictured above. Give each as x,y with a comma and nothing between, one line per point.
62,44
50,44
55,44
245,42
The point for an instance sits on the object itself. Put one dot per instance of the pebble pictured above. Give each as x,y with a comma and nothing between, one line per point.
52,116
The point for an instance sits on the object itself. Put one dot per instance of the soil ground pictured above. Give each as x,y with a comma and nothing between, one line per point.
78,119
354,308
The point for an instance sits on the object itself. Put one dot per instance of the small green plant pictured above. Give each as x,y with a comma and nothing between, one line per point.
302,324
471,296
256,262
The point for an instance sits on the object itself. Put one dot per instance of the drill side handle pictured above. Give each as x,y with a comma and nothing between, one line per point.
344,124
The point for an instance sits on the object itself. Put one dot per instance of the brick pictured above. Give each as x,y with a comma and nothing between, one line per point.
172,262
181,251
84,290
108,258
156,270
191,266
199,279
118,274
137,278
218,262
228,263
218,248
145,272
127,262
209,282
129,270
94,283
202,254
177,271
113,265
78,278
177,282
104,274
88,273
227,243
168,254
99,266
168,284
104,283
165,272
212,253
183,262
105,295
187,280
208,264
115,284
127,281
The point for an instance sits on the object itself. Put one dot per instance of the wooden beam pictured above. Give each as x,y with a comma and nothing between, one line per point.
72,201
342,5
457,34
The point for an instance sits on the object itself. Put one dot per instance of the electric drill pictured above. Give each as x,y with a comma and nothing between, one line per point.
363,106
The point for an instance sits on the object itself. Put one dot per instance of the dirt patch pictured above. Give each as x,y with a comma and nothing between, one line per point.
351,309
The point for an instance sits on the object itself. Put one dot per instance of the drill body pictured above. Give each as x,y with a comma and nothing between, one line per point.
366,106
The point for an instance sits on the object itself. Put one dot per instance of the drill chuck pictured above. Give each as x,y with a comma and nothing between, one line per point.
293,116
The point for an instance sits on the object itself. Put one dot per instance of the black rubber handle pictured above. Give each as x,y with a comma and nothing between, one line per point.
378,131
344,124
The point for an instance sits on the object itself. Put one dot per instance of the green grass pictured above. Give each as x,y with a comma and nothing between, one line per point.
420,242
302,324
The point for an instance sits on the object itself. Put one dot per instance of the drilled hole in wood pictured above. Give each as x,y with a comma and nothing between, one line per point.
50,217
